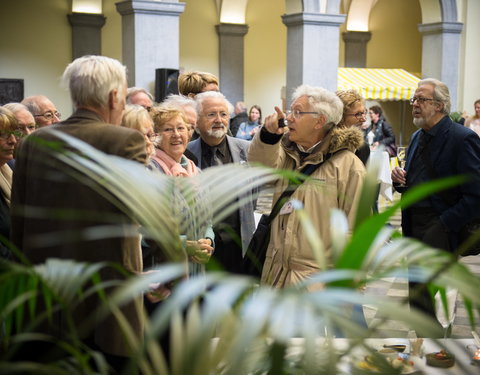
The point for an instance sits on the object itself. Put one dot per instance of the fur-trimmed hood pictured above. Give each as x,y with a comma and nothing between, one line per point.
350,138
337,138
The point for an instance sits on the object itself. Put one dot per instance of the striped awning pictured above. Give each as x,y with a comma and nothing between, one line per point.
379,84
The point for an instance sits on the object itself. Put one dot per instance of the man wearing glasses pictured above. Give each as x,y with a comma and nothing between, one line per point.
26,121
310,138
139,96
439,149
215,147
42,109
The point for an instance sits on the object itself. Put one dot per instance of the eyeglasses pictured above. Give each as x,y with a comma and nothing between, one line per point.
420,100
171,130
49,115
213,115
358,115
151,136
296,114
6,135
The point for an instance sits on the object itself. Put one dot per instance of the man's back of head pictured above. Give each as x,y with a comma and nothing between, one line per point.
193,83
43,109
99,84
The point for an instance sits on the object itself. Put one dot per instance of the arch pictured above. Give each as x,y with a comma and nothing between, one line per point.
232,11
449,10
312,6
358,14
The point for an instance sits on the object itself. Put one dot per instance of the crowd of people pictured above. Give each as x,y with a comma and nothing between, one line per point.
323,132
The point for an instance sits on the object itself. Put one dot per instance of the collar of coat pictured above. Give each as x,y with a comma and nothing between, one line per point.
338,138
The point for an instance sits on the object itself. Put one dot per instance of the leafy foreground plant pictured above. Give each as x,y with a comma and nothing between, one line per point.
219,323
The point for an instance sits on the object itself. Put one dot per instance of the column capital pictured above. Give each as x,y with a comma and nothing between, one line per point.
150,7
357,36
440,28
86,19
231,29
319,19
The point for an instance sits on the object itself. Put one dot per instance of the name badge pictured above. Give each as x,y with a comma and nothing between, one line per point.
287,208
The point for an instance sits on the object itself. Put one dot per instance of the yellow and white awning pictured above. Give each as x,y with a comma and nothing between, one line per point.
379,84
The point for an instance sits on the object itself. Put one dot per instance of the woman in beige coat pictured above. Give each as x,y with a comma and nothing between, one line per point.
310,137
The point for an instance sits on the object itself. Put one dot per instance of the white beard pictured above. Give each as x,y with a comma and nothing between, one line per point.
218,133
419,122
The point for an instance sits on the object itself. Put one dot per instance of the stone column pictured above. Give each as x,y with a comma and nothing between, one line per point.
150,38
86,33
441,54
356,48
313,41
231,53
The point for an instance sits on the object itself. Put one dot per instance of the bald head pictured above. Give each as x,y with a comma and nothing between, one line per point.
42,109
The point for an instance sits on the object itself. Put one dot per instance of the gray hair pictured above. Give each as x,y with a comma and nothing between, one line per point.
16,107
91,79
200,98
131,91
322,101
440,92
180,102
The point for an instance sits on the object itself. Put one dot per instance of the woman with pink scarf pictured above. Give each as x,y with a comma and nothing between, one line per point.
172,139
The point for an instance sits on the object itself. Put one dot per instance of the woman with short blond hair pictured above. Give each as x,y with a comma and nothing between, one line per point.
172,139
8,140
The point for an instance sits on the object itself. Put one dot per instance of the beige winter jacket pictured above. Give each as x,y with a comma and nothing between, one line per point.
335,184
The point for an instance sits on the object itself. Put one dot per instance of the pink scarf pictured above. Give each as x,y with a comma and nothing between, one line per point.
172,168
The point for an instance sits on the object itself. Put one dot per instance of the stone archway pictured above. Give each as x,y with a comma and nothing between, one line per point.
441,37
232,11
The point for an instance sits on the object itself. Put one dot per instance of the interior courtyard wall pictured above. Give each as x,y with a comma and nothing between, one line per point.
396,43
265,54
36,46
112,31
469,87
198,38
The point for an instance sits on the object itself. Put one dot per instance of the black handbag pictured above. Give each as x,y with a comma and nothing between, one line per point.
391,148
257,248
470,229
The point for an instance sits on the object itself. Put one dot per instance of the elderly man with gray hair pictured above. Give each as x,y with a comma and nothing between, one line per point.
215,147
42,183
310,141
140,96
440,148
43,109
26,121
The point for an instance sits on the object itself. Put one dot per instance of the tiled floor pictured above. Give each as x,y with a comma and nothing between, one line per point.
396,289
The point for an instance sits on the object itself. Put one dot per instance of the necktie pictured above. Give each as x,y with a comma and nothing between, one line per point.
215,157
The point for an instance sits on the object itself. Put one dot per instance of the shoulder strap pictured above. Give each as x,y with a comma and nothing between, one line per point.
307,170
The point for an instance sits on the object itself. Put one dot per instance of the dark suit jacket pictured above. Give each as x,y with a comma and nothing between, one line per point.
51,211
239,151
455,150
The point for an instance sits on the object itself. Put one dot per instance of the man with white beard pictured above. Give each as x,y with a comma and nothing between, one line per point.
439,149
215,147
